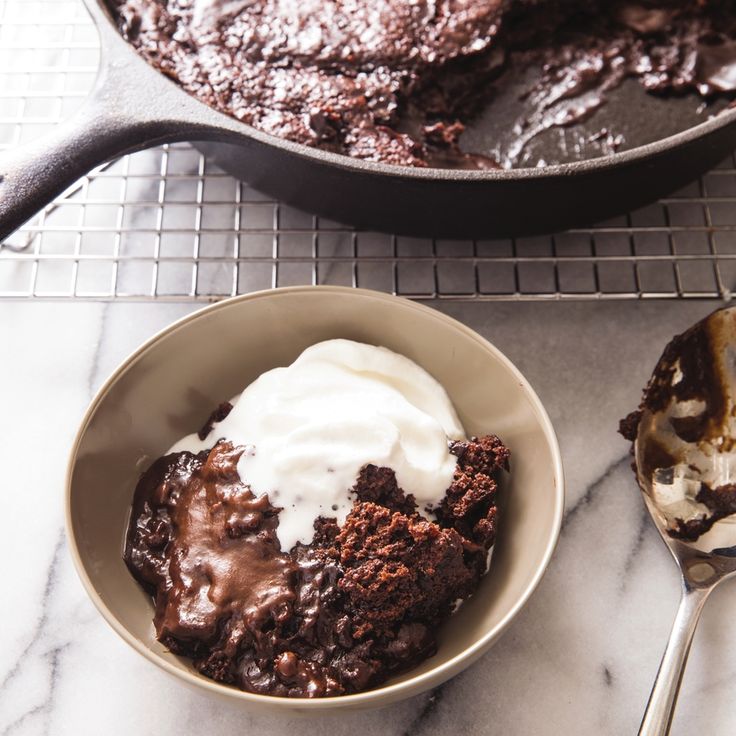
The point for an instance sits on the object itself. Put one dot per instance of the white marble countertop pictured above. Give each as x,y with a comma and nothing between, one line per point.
581,657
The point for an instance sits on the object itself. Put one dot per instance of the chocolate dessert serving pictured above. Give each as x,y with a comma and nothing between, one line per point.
357,598
397,82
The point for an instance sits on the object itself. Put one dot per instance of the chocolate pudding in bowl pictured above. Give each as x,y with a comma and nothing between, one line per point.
311,538
260,594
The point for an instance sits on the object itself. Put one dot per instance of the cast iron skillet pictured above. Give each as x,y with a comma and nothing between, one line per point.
133,106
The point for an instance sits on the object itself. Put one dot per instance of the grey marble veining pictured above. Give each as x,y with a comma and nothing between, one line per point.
581,657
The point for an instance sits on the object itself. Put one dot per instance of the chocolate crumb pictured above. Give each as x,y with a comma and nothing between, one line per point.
215,418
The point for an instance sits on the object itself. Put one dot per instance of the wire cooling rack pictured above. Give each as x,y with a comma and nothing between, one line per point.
167,224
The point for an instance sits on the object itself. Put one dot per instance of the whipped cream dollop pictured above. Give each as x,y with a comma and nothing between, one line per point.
309,428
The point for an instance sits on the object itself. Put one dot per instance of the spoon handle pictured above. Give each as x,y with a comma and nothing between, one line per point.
660,709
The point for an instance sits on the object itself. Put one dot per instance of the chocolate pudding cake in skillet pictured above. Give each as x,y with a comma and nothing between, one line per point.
398,82
311,539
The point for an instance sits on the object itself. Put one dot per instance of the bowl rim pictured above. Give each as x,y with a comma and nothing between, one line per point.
412,685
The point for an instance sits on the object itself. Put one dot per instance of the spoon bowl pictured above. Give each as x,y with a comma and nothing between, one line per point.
684,436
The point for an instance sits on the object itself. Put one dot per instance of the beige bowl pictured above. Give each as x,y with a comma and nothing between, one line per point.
169,386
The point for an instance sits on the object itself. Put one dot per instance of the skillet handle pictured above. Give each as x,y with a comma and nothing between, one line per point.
106,126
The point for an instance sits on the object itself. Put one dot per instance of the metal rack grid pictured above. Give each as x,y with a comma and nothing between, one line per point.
167,224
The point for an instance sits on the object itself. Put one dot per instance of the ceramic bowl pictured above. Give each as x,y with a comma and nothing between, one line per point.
167,387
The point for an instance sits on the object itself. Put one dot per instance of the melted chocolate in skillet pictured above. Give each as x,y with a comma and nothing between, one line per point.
392,81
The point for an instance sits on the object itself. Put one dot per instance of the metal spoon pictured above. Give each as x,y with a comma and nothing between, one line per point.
685,450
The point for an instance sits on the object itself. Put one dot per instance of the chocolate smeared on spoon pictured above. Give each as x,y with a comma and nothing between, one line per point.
684,435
